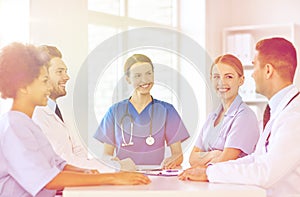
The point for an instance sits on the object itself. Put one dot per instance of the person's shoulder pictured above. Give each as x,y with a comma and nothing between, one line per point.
290,116
293,106
13,119
120,103
164,104
42,113
116,106
245,109
239,106
16,115
4,119
41,109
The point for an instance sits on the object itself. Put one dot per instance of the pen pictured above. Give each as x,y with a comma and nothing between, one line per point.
171,170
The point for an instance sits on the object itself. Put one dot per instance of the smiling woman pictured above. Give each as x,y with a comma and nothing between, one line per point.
31,167
138,128
231,131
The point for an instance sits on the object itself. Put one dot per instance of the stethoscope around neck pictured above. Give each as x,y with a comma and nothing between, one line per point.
149,140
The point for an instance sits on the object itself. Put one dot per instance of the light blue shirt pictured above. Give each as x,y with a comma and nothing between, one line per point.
27,159
51,104
239,129
167,128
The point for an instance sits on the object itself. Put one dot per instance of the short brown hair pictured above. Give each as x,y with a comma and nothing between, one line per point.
280,53
135,59
52,51
230,60
19,65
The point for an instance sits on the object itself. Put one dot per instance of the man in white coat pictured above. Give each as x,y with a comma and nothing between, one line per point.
275,164
49,118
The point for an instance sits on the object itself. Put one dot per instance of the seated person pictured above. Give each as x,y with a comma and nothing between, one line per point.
231,131
29,166
49,118
136,129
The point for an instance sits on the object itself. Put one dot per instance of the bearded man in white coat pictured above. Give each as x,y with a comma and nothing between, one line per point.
65,142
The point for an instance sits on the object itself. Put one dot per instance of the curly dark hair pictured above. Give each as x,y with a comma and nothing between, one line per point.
19,65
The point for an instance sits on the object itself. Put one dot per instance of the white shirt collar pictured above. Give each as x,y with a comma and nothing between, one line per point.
51,104
278,97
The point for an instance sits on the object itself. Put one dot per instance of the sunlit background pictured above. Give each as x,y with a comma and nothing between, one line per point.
77,27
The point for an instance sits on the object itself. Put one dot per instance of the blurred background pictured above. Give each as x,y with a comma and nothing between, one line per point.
218,26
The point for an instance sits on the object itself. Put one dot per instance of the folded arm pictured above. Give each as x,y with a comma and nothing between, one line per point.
201,158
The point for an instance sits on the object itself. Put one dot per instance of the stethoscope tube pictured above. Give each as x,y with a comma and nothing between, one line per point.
149,140
131,128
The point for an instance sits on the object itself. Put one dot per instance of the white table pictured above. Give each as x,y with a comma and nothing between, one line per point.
167,186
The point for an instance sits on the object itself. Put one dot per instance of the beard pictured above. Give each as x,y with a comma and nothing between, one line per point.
57,92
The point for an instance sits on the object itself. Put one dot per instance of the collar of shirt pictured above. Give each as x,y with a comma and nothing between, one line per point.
51,104
277,99
233,109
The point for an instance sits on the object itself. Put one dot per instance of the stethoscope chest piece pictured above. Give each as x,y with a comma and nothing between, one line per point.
150,140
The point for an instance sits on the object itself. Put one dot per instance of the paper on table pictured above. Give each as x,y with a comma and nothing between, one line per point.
148,167
160,172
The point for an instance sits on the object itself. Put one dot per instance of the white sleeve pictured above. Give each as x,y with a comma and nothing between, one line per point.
27,162
265,168
78,147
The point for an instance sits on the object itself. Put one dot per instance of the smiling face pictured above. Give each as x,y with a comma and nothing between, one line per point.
141,77
58,78
39,90
226,81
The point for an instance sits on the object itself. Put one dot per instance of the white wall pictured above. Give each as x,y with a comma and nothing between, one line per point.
64,24
222,14
226,13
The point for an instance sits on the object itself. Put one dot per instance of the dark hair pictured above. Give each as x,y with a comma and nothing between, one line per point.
52,51
230,60
19,65
135,59
280,53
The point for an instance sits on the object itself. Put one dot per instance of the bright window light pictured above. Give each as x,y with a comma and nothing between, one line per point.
14,27
14,21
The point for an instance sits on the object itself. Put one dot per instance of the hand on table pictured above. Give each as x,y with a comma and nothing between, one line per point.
170,163
130,178
194,174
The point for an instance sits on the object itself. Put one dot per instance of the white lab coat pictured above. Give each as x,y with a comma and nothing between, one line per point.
278,168
65,142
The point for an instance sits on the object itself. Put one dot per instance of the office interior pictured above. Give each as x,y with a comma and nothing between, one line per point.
78,27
